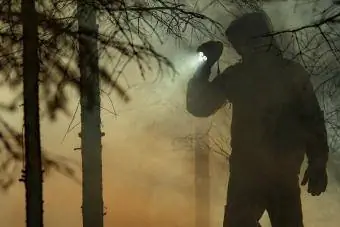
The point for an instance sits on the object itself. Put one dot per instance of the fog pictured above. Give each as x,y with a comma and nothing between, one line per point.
148,163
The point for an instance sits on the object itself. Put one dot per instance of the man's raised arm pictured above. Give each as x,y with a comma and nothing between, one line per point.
204,98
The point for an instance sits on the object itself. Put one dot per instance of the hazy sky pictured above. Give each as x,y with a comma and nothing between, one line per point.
148,176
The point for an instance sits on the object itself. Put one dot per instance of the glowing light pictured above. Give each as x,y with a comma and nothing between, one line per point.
202,57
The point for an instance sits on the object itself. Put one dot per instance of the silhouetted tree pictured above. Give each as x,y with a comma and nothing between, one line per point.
201,150
130,23
90,117
129,26
11,139
204,140
33,166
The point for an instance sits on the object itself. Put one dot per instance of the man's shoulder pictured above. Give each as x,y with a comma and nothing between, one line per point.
295,69
298,75
232,69
293,66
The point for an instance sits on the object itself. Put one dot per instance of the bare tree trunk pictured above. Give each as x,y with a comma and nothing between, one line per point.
33,165
90,117
202,179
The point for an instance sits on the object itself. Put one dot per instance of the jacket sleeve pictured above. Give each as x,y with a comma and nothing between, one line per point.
204,98
317,148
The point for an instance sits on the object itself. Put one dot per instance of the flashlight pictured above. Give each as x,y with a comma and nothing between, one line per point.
209,52
202,57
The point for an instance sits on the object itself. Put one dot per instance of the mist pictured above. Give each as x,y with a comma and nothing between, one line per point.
148,158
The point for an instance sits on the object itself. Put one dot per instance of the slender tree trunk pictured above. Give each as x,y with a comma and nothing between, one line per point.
90,117
202,179
33,167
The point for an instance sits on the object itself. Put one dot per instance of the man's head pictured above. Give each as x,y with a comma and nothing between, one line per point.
245,33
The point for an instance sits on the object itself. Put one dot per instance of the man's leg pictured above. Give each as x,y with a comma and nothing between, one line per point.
245,201
284,203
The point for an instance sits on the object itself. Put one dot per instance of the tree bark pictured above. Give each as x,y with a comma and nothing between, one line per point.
33,165
92,207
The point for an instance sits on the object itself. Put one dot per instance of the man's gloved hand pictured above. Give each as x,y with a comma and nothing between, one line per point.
203,72
317,179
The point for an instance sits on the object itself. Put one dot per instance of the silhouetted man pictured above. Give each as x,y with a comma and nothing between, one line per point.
276,121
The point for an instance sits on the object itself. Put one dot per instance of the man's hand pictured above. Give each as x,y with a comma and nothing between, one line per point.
317,180
203,72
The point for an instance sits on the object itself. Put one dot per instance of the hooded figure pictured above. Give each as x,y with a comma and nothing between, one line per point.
276,120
